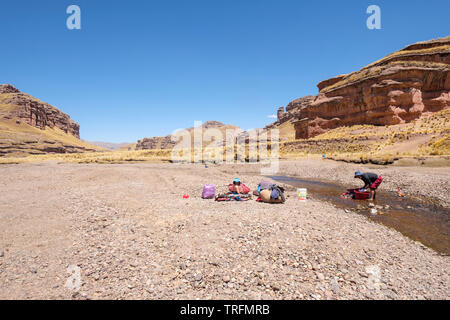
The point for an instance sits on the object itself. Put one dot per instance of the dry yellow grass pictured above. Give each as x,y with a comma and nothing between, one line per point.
286,131
120,156
442,48
6,108
376,70
13,133
437,146
361,143
95,157
423,137
379,66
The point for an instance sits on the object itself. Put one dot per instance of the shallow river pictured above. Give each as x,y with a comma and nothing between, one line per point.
419,220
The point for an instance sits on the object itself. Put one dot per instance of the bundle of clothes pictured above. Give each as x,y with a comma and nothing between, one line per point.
237,191
269,192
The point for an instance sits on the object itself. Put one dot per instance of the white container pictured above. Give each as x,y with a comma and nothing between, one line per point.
302,194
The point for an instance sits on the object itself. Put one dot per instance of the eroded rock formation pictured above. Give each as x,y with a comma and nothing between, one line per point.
23,107
404,86
292,110
29,126
156,143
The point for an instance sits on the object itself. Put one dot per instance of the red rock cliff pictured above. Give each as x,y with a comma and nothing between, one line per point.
30,110
403,86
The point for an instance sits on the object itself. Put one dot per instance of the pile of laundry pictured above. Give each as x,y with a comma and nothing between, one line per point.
266,192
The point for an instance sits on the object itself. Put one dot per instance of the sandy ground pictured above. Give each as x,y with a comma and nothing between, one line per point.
132,236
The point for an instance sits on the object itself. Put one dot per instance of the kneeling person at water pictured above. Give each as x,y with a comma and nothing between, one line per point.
371,181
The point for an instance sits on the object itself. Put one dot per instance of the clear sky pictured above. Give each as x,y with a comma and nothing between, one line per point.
141,68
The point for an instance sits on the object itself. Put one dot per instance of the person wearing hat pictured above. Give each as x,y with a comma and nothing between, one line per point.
237,186
371,181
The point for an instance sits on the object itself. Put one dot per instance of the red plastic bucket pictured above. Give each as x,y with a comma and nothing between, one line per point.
361,195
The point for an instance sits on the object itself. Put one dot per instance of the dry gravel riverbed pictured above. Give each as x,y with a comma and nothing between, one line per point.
132,236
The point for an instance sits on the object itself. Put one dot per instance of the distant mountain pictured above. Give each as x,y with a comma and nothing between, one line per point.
111,145
167,142
30,126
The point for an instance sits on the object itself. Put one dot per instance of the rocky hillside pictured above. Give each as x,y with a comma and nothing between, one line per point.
29,110
30,126
406,85
292,111
168,142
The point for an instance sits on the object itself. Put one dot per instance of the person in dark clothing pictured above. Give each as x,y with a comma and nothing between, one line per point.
371,181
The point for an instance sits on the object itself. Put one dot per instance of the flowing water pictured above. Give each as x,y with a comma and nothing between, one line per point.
419,220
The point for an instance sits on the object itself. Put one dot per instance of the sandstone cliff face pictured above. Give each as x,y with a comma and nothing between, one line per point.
156,143
404,86
23,107
29,126
292,111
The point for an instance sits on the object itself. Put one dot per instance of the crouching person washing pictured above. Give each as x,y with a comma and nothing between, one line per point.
371,181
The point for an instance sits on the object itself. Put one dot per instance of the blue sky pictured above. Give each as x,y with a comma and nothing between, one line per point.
141,68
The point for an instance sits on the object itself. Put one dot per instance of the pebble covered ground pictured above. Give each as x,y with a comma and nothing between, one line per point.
131,235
